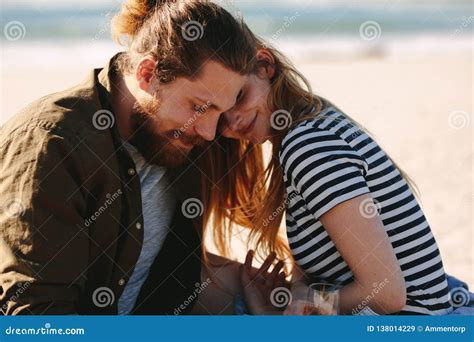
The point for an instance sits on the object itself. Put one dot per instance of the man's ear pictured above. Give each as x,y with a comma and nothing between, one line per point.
267,60
144,73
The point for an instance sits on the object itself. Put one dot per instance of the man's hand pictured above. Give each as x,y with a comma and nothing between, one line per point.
259,284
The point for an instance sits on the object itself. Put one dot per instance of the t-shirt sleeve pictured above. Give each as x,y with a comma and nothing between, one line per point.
323,168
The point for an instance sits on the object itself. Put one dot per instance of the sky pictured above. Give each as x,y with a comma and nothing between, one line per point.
107,3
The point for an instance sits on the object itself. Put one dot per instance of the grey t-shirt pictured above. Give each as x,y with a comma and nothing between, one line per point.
158,205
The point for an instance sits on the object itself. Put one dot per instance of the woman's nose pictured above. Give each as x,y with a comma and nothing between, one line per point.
233,120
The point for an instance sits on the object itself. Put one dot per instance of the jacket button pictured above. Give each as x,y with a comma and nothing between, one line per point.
138,225
131,172
121,282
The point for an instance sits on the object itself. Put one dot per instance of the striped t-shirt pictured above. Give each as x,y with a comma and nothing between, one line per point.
328,160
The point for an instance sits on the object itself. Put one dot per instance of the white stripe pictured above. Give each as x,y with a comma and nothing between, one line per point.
383,179
310,133
388,189
316,253
395,199
334,270
359,139
417,254
433,301
367,148
339,200
414,243
340,124
351,131
421,267
380,167
304,234
404,221
320,181
375,157
419,281
400,210
325,262
409,232
315,156
429,290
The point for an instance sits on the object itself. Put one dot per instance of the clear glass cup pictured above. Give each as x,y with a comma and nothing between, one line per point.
322,299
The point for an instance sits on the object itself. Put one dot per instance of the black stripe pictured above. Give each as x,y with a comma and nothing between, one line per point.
389,220
407,226
391,207
427,285
420,261
385,183
384,172
355,175
425,272
415,249
412,237
434,295
312,140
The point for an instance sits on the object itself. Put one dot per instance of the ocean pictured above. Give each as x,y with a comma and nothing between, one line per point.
303,29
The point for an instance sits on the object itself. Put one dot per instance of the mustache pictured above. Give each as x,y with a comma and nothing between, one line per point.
143,120
185,138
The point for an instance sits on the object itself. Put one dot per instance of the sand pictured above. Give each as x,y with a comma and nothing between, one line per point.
418,108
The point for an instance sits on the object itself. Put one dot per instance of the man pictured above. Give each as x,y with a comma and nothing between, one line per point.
97,186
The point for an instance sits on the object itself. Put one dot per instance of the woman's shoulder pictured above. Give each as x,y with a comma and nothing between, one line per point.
329,123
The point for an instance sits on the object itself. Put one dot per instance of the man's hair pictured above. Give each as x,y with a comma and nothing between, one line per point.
181,36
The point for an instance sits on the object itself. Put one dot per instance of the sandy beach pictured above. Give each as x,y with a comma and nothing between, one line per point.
417,107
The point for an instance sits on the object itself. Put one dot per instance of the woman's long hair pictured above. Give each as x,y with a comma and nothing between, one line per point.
239,187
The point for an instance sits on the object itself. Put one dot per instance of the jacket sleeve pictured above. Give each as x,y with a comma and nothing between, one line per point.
43,240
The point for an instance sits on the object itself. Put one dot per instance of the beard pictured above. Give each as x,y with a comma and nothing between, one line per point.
157,148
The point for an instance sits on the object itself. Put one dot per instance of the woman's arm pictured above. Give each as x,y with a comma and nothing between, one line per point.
365,247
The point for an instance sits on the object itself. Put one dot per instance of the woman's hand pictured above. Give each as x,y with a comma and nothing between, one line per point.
259,284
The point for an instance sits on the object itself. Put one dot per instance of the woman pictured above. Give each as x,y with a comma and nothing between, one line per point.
351,216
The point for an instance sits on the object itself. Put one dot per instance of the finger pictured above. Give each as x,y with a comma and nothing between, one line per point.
281,280
273,277
248,263
266,264
244,276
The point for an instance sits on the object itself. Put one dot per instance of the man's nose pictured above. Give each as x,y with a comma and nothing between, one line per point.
206,126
